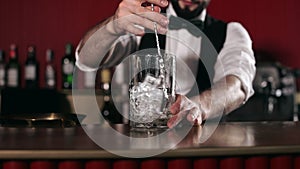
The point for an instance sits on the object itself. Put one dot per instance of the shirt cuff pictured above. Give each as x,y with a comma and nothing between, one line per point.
80,65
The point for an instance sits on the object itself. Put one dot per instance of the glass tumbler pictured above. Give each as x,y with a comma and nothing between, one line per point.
151,89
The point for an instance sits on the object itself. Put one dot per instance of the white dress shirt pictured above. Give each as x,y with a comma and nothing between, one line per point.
235,58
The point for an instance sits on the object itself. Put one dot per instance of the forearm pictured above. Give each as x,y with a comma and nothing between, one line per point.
225,96
236,61
90,32
96,43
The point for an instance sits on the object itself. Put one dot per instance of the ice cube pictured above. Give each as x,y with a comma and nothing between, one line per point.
146,101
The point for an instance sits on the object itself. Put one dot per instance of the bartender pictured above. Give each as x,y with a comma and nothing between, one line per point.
235,63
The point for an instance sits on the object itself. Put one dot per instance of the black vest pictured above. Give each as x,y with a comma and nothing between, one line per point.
215,30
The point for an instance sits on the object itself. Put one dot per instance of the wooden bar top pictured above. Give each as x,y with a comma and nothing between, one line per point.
231,138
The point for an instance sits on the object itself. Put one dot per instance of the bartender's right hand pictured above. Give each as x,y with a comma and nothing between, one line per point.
133,12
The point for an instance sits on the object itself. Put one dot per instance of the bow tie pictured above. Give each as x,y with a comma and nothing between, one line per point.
176,24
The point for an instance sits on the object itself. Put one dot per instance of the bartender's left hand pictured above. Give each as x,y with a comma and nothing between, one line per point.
185,108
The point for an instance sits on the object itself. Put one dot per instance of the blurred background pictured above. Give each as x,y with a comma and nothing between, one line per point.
273,27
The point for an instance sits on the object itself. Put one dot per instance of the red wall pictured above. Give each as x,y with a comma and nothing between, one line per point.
49,24
272,24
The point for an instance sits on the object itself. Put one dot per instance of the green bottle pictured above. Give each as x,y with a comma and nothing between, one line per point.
68,62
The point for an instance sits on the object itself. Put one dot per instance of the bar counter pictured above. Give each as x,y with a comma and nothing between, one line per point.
229,139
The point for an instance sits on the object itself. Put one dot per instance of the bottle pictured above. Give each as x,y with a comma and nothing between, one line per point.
31,69
109,111
2,70
68,62
121,89
13,68
89,79
105,81
50,72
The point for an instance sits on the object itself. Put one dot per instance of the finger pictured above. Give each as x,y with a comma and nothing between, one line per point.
135,30
127,7
194,116
161,3
186,104
136,8
139,7
161,20
126,24
174,121
175,107
155,9
155,17
148,24
133,7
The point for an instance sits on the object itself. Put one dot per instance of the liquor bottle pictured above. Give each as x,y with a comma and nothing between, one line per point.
2,69
121,89
50,72
109,110
31,69
68,62
13,68
105,81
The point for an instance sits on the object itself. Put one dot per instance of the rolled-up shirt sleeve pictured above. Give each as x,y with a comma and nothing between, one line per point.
80,65
237,58
104,47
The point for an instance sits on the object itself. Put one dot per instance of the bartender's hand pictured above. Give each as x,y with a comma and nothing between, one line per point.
140,15
185,108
